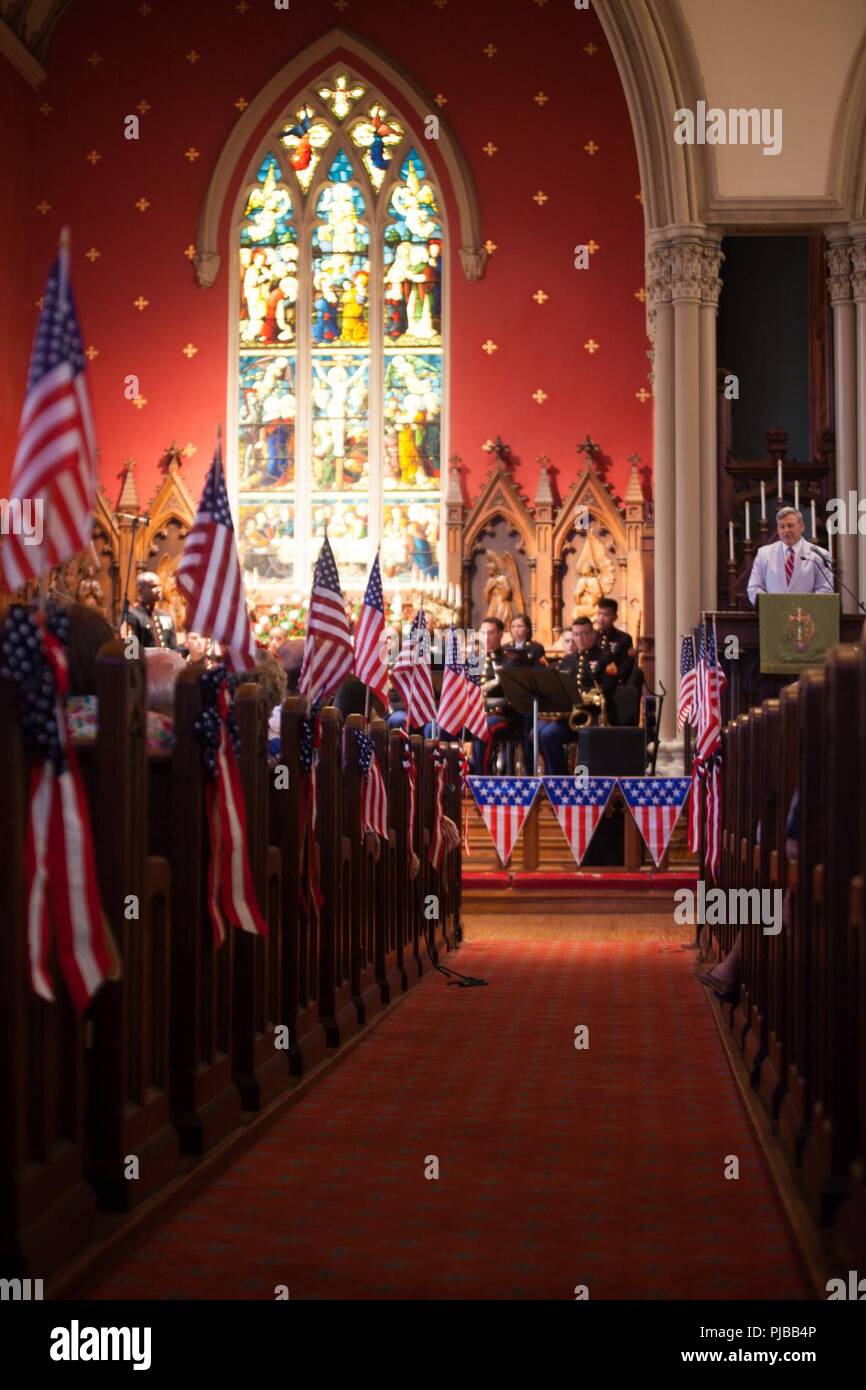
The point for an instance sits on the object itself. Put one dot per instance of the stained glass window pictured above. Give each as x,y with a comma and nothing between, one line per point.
339,346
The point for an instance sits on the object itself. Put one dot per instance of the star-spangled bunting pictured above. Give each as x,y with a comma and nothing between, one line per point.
504,803
54,470
655,804
579,804
374,799
371,666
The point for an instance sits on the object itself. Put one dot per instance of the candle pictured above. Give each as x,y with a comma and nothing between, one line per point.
763,501
731,541
748,523
797,493
779,478
814,521
458,597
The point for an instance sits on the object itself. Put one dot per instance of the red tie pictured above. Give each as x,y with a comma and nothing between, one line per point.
789,565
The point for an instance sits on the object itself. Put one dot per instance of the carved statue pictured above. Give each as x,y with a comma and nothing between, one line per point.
89,588
503,595
595,577
167,571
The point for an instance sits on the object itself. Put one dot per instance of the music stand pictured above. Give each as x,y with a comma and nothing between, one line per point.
532,688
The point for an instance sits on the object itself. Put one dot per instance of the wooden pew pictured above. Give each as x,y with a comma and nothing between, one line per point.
831,1143
127,1062
746,1015
261,1069
299,957
205,1102
47,1209
850,1225
774,1074
795,1108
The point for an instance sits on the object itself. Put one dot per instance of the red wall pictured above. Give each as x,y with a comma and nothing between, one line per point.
540,48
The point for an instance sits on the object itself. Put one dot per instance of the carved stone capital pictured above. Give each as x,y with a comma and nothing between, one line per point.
858,270
207,264
839,267
658,278
687,262
711,265
473,260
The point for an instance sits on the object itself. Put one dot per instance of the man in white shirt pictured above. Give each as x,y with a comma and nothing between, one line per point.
791,565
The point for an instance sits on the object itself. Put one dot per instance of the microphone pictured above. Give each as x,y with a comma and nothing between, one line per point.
130,516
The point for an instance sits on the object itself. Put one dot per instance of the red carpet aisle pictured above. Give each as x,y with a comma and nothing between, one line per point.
557,1167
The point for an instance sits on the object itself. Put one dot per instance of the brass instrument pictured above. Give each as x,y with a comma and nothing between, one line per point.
591,708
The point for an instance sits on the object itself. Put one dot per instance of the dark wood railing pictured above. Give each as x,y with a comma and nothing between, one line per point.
799,1018
171,1059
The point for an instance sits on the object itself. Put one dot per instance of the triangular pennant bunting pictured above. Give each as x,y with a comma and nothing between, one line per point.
504,803
655,804
578,804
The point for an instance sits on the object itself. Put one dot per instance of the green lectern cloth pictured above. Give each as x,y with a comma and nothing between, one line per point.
796,631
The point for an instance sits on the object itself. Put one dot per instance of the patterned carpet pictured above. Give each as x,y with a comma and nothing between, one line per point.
557,1167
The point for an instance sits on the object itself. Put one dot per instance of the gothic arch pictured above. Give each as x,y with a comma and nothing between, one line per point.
233,161
658,66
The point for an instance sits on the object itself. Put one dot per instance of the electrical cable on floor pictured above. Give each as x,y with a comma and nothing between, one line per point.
464,981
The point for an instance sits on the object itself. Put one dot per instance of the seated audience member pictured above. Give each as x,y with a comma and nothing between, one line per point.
88,632
291,657
586,665
270,674
196,647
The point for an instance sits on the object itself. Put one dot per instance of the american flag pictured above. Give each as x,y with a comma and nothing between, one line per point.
55,465
230,882
686,697
504,803
412,676
455,690
579,804
710,681
655,804
476,715
370,664
411,778
209,575
374,799
437,839
309,889
328,648
713,846
61,886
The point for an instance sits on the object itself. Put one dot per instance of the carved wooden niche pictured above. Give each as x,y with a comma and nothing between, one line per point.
499,552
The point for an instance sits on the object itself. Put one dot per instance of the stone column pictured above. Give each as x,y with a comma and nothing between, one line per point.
858,284
711,286
660,325
687,268
845,355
